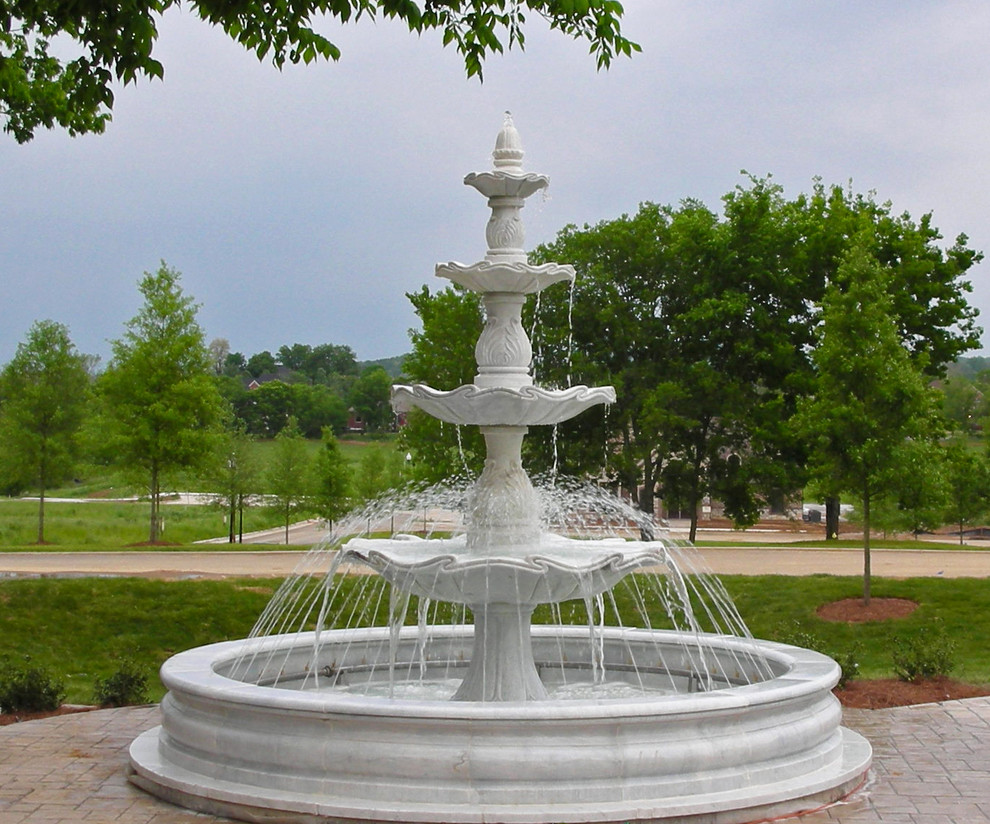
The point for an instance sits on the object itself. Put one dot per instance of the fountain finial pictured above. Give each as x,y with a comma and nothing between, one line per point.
508,152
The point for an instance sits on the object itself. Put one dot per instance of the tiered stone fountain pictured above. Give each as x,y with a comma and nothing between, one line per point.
709,727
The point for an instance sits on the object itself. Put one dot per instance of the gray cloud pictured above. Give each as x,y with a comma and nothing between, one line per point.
302,205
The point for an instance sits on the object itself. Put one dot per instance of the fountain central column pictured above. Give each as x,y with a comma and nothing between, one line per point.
503,515
503,509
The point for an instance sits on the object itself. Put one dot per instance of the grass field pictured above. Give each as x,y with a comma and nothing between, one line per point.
111,525
81,628
99,523
875,543
102,482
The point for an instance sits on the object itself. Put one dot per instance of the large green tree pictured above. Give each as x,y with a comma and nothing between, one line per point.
43,396
370,398
704,323
69,83
161,409
871,406
442,357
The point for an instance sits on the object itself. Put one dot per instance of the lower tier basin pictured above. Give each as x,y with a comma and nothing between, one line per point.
668,748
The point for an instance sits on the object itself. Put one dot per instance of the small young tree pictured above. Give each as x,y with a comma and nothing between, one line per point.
870,398
379,471
288,476
161,405
918,494
43,395
332,497
236,475
968,481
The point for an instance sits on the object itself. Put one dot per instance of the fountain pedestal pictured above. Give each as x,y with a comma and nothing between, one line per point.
502,666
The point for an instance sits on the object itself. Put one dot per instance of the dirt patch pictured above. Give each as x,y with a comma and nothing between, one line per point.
804,528
852,610
66,709
881,693
154,543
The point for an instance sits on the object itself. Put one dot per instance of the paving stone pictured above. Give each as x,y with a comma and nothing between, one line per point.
931,766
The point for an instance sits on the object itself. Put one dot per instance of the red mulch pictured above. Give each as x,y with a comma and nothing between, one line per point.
879,693
852,610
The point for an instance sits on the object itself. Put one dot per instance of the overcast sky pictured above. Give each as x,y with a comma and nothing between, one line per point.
301,206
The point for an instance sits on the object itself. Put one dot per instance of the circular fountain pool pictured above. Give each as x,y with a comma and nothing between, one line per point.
509,720
313,749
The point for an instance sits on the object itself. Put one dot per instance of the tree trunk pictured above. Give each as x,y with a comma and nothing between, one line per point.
41,515
240,519
231,512
647,500
832,512
155,499
866,549
695,498
43,480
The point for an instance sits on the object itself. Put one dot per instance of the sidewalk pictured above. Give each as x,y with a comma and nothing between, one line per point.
749,560
930,767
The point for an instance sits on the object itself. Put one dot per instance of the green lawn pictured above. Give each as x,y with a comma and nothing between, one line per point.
80,628
111,525
875,543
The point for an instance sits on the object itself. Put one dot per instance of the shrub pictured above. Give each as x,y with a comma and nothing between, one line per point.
127,685
847,660
29,689
927,654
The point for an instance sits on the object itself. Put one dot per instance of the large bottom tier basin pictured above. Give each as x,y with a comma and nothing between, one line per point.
316,749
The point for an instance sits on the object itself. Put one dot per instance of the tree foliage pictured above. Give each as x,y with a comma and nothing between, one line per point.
378,472
871,409
317,363
968,481
115,42
235,476
43,396
705,323
265,410
289,479
443,357
161,407
371,398
333,485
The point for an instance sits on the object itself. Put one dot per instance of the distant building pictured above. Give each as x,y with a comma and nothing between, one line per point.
282,373
354,421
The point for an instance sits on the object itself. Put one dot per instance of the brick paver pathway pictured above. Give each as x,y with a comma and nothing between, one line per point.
931,766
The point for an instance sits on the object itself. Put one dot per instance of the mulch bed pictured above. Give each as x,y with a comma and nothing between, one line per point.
881,693
852,610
